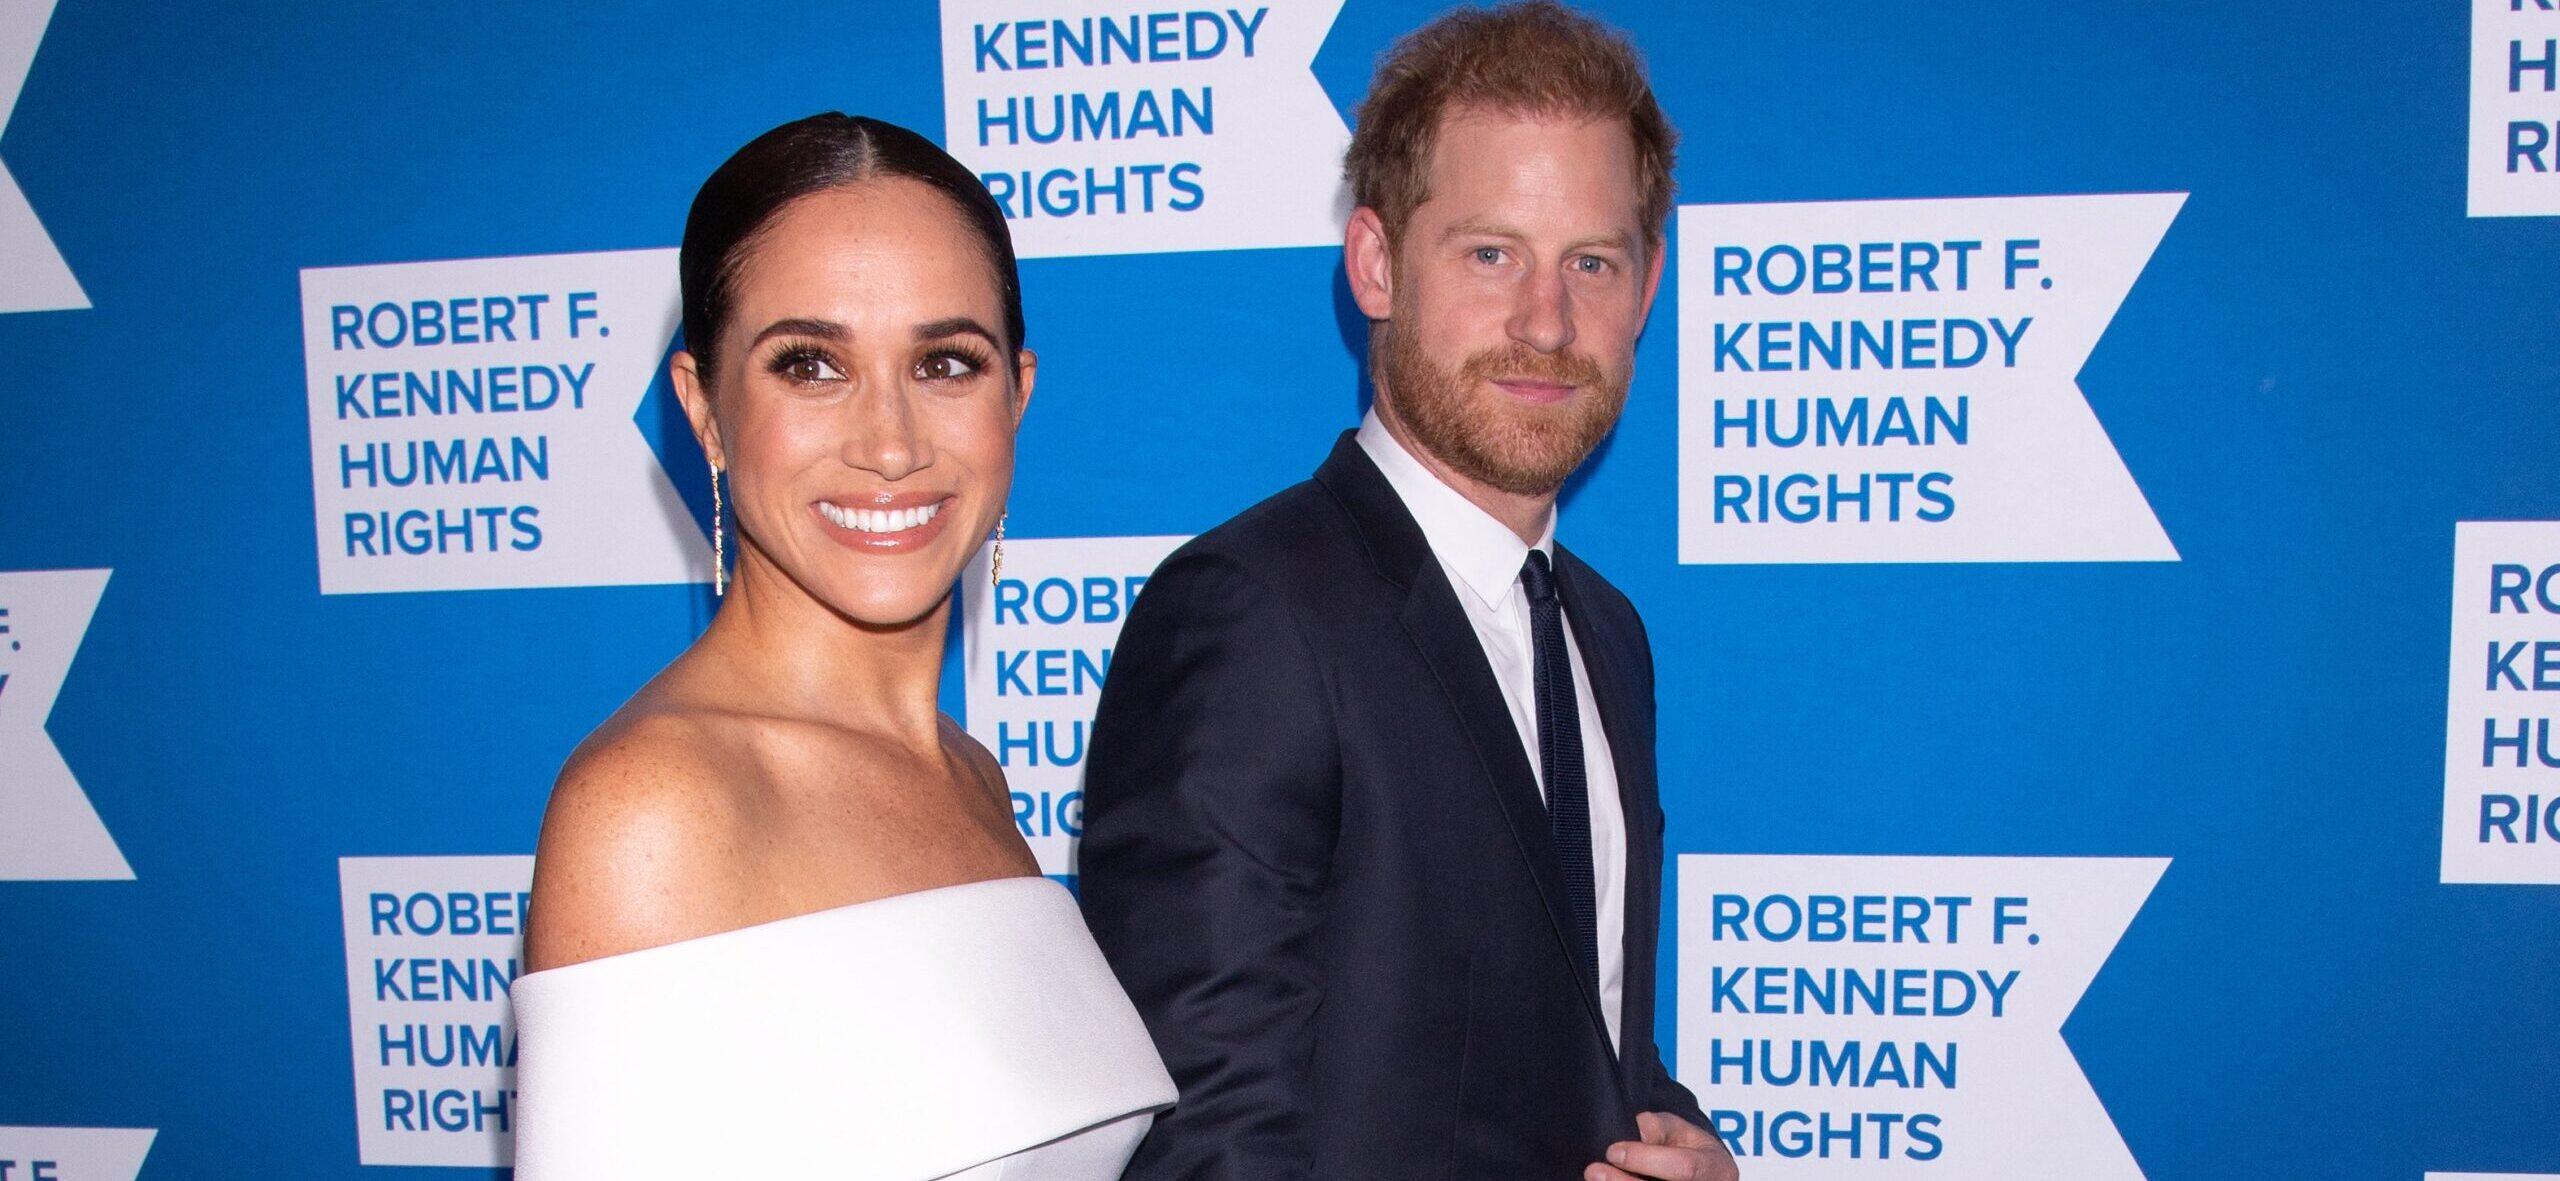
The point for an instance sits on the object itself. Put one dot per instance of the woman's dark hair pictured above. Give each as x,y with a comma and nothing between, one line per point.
807,156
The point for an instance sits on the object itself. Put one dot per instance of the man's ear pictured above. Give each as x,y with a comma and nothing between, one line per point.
696,400
1369,260
1654,250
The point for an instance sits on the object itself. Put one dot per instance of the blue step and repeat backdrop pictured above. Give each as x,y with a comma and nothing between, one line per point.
2090,479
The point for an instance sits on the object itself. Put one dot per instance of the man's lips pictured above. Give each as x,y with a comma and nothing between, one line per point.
1531,389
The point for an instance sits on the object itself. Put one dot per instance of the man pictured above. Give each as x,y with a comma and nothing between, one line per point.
1371,831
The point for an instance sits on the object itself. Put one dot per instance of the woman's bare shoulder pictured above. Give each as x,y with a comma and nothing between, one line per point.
642,840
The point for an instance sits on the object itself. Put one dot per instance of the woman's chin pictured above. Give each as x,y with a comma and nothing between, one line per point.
889,609
876,591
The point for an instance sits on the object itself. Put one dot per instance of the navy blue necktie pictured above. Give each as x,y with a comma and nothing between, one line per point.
1560,762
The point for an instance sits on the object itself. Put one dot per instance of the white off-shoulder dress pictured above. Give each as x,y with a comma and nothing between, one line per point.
972,1032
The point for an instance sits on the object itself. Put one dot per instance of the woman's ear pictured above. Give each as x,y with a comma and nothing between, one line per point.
1026,369
696,399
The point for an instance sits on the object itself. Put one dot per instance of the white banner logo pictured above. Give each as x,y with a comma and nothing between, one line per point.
48,830
2501,759
73,1154
33,277
1037,645
434,945
1900,1017
2515,108
471,424
1107,128
1896,381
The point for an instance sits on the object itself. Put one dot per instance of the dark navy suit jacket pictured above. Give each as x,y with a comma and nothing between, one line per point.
1317,857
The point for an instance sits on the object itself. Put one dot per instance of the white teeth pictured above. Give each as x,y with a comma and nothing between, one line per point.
870,520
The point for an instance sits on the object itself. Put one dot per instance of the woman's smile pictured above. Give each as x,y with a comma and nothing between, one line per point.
884,524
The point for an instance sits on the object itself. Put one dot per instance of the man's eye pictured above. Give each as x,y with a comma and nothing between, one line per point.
1591,264
1488,255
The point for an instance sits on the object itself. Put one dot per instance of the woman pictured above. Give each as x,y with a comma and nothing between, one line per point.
783,924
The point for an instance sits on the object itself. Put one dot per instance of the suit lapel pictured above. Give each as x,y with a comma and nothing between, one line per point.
1448,643
1620,701
1438,624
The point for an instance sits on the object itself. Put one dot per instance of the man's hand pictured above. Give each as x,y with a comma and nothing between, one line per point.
1673,1149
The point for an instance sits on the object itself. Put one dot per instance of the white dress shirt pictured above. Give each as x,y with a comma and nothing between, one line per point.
1483,557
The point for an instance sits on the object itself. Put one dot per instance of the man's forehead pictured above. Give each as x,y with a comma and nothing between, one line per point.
1464,134
1516,149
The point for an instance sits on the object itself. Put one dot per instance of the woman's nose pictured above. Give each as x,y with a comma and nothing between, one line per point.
887,439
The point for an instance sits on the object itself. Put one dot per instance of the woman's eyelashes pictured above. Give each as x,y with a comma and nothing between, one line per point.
951,363
803,364
806,364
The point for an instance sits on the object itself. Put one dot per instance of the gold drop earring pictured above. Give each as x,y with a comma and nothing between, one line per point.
995,567
719,546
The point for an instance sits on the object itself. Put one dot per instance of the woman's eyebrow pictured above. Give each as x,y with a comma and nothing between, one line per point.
822,329
952,326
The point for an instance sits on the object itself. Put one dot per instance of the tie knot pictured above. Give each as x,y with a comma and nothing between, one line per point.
1537,579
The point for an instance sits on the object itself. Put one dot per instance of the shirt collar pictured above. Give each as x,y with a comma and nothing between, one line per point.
1484,554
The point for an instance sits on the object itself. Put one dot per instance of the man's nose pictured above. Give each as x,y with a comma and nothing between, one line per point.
1543,316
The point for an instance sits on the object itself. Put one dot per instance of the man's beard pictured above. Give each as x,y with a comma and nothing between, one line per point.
1517,447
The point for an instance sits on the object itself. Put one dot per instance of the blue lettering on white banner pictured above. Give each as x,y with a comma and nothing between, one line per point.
434,946
1895,381
2515,108
1105,129
1903,1013
73,1154
471,424
1037,645
2501,759
48,829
